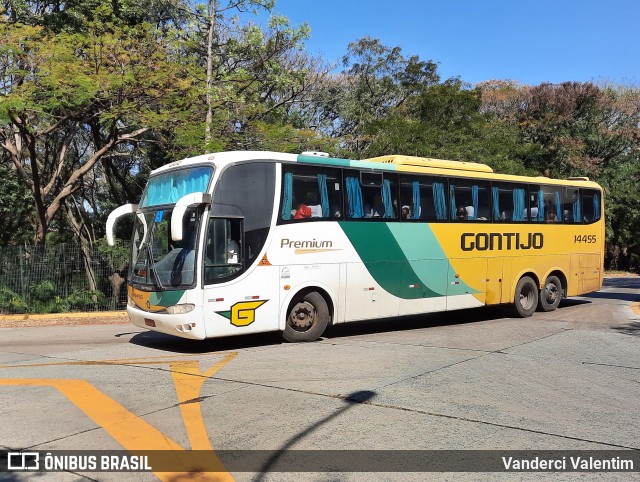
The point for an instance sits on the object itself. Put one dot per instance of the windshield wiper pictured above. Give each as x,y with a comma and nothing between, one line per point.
152,264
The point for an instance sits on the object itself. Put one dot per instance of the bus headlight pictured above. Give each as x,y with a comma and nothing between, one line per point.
180,309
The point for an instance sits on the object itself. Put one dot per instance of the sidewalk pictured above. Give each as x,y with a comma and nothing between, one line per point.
66,319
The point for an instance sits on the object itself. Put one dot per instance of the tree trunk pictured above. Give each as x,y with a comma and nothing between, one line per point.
79,230
209,86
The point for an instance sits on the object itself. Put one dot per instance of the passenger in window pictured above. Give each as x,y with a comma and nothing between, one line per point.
534,213
406,212
551,217
232,250
462,214
314,205
470,212
302,212
375,211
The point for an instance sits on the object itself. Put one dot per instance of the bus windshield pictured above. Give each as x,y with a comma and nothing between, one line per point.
159,263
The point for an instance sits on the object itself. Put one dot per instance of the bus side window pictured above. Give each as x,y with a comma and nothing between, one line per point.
509,202
310,192
469,200
572,208
545,204
423,198
371,195
591,205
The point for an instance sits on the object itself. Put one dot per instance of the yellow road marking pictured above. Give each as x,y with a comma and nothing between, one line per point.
125,361
131,431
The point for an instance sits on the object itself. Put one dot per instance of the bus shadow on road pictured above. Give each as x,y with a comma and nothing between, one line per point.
632,282
160,341
613,295
417,322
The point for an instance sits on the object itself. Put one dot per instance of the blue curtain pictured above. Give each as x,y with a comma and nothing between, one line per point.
596,207
540,205
417,214
518,204
170,187
354,195
558,207
324,195
474,197
287,196
452,201
386,198
496,203
439,200
577,216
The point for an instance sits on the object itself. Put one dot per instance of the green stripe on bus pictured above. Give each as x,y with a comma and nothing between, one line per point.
329,161
165,298
386,261
333,161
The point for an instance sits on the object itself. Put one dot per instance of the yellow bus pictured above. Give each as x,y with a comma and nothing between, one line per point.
246,242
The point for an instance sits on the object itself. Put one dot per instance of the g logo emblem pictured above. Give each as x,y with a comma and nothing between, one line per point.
243,313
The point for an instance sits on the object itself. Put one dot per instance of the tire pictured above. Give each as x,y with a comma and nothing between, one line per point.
525,300
307,318
550,294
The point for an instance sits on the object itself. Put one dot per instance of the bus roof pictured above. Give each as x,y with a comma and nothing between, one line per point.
398,163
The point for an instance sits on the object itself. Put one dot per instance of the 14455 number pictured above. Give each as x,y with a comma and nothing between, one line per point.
587,238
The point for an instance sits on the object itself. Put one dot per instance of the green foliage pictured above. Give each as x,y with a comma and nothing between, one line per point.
85,300
43,291
11,302
118,256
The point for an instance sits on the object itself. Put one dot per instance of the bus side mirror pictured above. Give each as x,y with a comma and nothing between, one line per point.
114,216
185,202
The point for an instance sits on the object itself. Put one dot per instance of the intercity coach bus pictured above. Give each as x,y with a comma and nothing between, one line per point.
247,242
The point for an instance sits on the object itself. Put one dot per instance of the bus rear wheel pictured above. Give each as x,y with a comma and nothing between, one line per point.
525,300
307,318
550,294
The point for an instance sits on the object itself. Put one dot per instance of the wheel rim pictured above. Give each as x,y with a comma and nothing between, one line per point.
551,293
303,316
527,297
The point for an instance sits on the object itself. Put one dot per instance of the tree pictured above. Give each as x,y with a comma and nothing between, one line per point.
71,99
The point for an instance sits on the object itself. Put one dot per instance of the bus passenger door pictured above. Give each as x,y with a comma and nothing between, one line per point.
236,302
467,283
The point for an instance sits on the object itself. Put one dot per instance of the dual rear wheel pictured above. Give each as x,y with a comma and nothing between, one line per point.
528,297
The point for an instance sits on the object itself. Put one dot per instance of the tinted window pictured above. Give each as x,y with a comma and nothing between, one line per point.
571,205
509,202
469,200
371,196
591,205
423,198
545,204
310,193
250,187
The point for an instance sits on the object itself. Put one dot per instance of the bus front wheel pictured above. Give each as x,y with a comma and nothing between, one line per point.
525,300
307,318
550,294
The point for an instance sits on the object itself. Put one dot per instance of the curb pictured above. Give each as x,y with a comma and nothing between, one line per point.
64,319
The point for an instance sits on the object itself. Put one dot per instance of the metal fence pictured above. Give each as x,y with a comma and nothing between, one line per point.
64,277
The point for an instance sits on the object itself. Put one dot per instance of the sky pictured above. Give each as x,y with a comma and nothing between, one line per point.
529,41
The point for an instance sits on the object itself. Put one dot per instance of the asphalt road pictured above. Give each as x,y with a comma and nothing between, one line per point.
468,380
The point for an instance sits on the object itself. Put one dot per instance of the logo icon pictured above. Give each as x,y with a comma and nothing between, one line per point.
243,313
23,461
